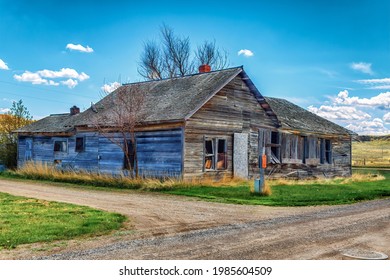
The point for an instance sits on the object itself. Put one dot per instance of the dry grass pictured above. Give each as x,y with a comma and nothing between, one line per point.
44,171
355,178
371,153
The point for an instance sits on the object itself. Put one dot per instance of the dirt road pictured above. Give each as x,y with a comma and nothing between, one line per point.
170,227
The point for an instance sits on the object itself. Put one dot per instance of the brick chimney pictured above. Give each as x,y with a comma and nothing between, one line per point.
74,110
204,68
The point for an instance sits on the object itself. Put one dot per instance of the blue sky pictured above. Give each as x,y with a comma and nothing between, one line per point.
330,57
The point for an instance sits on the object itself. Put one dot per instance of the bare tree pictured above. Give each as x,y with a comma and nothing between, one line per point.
152,64
119,113
173,56
208,53
176,53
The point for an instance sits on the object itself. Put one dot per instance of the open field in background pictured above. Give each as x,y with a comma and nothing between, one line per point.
375,153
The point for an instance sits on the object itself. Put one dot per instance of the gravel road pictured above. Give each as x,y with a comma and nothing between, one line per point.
170,227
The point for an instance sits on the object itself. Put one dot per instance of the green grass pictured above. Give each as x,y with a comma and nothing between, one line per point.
27,220
284,193
331,193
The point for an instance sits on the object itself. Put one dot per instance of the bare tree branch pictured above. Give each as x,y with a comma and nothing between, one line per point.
173,56
118,123
151,66
208,53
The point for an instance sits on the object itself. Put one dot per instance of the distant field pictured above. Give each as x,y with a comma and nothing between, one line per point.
371,153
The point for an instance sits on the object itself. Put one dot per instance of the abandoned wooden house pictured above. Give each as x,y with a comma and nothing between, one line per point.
209,124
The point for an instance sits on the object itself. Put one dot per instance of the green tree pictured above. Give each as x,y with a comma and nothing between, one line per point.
17,117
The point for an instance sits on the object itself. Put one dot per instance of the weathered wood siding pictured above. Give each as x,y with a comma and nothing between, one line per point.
234,109
292,157
159,153
43,151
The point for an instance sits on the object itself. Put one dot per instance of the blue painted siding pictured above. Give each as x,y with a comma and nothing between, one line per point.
159,153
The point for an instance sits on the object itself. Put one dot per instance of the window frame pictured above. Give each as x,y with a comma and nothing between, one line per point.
215,155
76,148
326,151
60,150
131,152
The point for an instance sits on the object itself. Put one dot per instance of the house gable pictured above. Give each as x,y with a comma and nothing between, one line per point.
233,109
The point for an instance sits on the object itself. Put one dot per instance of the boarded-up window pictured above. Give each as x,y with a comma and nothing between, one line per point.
215,154
289,148
61,146
79,144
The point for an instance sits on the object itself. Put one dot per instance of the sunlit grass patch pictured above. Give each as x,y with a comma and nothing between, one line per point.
27,220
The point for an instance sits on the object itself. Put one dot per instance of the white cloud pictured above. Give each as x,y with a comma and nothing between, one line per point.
33,78
373,127
381,100
245,52
375,81
70,83
4,110
44,77
63,73
79,48
362,67
339,113
383,83
107,88
3,65
386,118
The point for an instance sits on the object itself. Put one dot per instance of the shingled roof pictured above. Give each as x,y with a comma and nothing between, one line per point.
294,117
177,99
165,100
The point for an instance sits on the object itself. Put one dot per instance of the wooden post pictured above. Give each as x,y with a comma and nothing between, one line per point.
259,183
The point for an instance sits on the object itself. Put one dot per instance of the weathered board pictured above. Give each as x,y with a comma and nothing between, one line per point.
234,109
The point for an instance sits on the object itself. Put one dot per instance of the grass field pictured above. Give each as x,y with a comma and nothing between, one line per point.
299,193
371,153
284,193
26,220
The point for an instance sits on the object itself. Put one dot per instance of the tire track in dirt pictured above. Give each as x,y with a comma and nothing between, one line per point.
170,227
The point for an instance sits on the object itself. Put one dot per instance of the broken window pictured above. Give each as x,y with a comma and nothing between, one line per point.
221,157
326,151
61,146
305,149
209,154
215,154
275,147
79,144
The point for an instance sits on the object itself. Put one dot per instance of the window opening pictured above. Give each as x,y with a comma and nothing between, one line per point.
79,144
209,154
61,146
221,157
275,147
328,151
215,154
130,156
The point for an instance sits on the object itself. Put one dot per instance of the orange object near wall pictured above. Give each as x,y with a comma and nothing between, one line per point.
264,161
